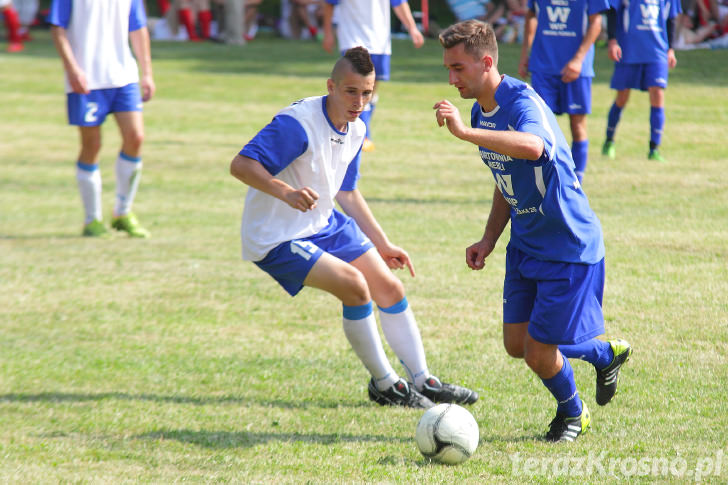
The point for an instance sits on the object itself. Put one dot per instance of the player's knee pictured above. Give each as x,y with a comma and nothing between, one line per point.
90,147
394,289
533,361
514,348
133,141
538,362
357,291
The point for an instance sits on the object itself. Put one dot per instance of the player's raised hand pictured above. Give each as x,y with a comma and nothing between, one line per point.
303,199
614,51
448,114
396,258
475,254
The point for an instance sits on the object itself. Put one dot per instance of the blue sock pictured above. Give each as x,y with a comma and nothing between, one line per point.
563,388
597,352
615,112
579,151
657,121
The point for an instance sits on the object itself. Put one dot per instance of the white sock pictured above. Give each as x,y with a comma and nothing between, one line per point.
128,173
361,331
89,185
400,328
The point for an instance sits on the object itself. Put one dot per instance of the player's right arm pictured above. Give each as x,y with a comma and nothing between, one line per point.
515,144
500,214
273,149
76,76
404,14
253,173
529,31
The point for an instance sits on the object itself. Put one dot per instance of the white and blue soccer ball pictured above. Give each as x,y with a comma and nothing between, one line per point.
447,433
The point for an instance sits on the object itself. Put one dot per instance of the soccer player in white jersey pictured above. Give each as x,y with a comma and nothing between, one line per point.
561,36
102,77
367,23
640,44
552,294
297,167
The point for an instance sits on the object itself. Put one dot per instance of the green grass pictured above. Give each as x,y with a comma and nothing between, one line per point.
170,360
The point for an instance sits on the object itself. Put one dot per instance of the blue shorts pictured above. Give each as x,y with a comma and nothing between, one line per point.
639,76
562,301
91,109
290,262
381,66
573,98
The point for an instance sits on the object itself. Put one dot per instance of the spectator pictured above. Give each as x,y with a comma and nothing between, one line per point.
186,11
12,24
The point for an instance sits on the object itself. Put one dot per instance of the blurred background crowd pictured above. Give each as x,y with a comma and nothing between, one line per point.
704,23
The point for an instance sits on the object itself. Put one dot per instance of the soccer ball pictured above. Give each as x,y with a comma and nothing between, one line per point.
447,433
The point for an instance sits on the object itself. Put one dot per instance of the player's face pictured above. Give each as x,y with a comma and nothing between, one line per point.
348,97
466,72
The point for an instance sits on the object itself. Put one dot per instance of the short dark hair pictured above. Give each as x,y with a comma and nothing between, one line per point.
357,59
478,37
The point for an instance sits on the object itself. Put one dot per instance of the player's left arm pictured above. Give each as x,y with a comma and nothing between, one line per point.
671,59
515,144
404,14
142,51
356,207
572,69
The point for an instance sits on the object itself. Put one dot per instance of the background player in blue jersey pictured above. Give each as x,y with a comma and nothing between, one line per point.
102,77
560,35
297,167
640,44
367,23
554,282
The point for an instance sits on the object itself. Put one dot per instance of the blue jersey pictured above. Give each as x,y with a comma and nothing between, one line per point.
550,215
562,25
642,29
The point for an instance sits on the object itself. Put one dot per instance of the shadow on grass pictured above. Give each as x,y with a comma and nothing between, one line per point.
62,397
237,439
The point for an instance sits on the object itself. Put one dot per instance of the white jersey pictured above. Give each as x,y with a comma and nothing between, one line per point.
365,23
98,31
322,163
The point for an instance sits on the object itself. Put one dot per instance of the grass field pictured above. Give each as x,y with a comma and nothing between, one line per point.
170,360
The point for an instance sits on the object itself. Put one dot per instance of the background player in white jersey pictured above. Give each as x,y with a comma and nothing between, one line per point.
552,294
561,38
367,23
297,167
640,44
92,38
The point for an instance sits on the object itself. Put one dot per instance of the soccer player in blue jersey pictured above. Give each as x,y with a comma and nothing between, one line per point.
640,36
367,23
554,281
296,168
561,36
102,77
